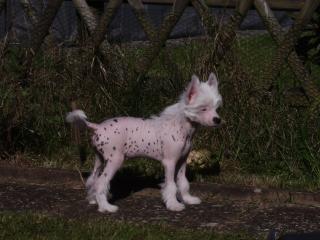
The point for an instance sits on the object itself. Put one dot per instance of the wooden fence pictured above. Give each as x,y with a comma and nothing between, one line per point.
98,28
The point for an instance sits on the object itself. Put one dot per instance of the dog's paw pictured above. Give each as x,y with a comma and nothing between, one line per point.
108,208
92,201
175,206
191,200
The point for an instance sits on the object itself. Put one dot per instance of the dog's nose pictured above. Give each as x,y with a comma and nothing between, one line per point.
216,120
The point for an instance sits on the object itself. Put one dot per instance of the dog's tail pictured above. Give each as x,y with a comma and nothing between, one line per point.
79,118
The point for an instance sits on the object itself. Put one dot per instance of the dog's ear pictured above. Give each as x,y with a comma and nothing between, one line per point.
192,89
212,80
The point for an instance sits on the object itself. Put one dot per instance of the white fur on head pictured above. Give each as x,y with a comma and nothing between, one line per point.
199,103
202,99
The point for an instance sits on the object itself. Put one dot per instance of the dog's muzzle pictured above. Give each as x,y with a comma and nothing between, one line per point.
216,121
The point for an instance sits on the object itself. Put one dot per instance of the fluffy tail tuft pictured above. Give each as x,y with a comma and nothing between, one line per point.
79,118
76,115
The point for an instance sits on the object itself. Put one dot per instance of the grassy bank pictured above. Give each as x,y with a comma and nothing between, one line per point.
35,226
265,135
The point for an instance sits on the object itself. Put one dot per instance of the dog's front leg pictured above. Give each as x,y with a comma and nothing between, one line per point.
184,186
169,190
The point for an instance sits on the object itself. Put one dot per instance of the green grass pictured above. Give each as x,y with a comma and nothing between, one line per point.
35,226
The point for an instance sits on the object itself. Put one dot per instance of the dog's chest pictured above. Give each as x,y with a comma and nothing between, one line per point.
176,139
186,148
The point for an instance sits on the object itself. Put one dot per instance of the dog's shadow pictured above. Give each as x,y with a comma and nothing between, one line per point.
126,182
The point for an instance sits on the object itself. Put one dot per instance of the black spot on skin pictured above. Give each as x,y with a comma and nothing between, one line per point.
105,129
115,120
111,155
125,144
105,174
114,148
126,129
137,129
154,143
148,131
111,125
148,144
173,138
97,139
142,140
114,132
132,131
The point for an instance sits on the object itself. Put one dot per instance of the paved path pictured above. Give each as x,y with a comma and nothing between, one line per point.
224,208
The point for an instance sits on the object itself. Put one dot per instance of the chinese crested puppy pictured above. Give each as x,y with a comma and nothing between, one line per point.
166,138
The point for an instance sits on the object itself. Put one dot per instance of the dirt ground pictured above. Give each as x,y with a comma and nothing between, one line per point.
223,208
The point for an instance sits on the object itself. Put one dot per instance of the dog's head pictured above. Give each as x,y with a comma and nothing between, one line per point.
202,99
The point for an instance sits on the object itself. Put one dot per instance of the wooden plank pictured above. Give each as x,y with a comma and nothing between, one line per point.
106,18
142,18
227,36
164,31
208,20
38,34
274,4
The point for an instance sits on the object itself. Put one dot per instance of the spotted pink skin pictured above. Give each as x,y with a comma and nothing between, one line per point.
130,137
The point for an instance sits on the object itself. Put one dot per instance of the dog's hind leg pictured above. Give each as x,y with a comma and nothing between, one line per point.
169,190
92,178
184,186
102,184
